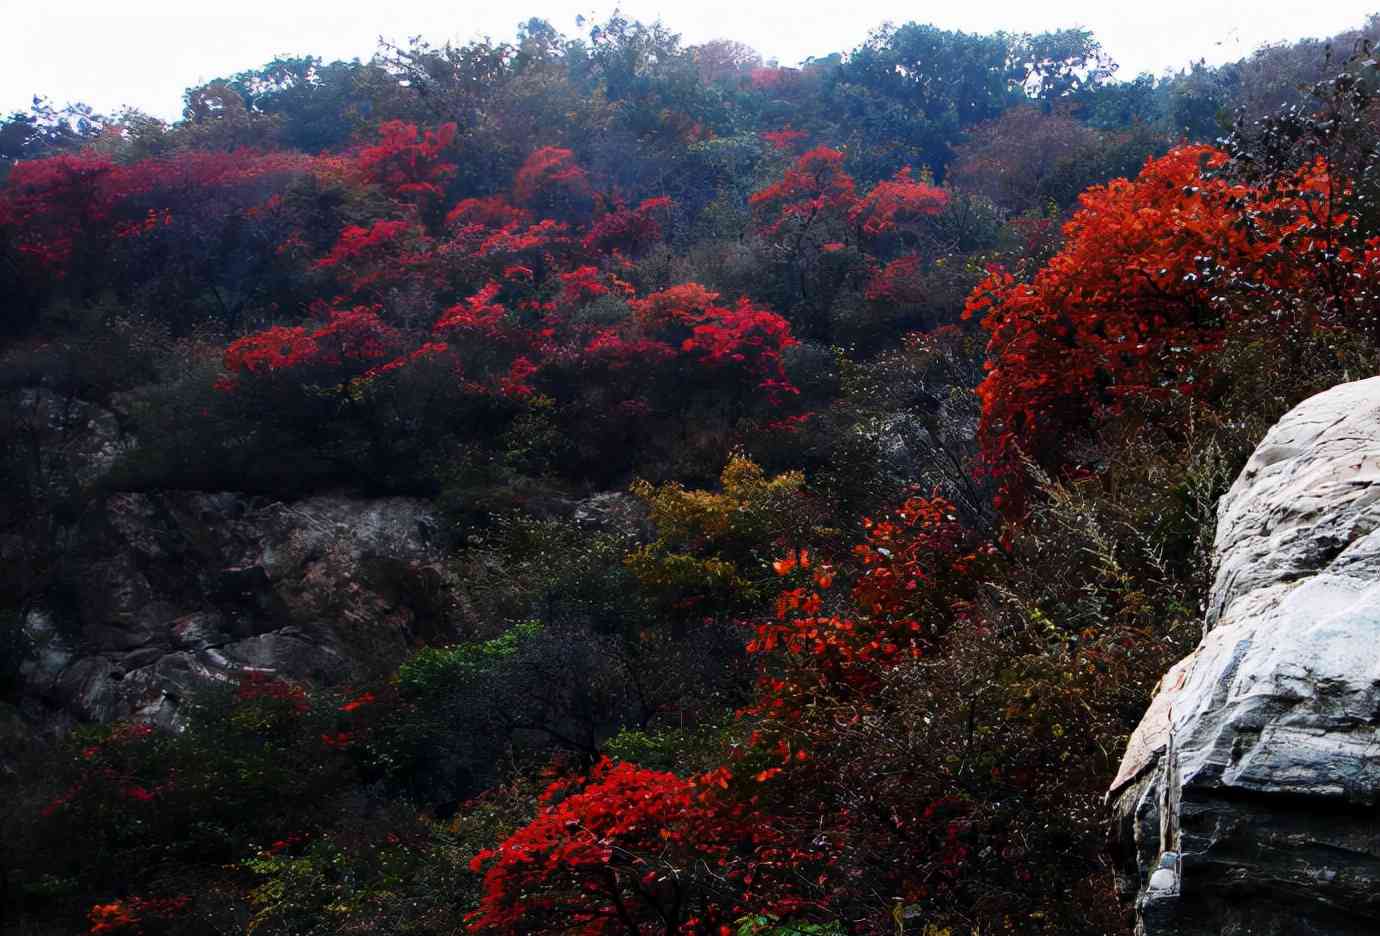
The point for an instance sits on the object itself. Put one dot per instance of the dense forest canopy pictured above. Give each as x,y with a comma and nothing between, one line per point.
914,372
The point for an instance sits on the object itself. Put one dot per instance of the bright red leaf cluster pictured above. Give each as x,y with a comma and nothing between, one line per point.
631,850
407,163
814,188
479,313
1134,305
628,231
375,258
912,583
348,345
743,335
895,203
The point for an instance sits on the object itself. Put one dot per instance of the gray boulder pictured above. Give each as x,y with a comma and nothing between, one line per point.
1247,799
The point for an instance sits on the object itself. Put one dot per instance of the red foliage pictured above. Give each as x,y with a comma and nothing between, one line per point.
814,188
338,741
356,241
635,850
581,285
621,351
916,551
356,335
628,231
899,282
408,165
348,345
684,304
497,362
1125,309
269,350
382,255
785,139
630,850
204,173
70,185
112,918
909,559
359,702
896,202
479,313
106,771
257,686
426,350
743,335
775,79
53,204
129,915
514,242
150,223
492,212
551,181
514,384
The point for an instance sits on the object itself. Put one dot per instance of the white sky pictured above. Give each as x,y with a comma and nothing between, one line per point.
143,53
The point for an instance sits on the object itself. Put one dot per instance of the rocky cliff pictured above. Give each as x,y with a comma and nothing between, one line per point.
132,599
1247,799
182,587
136,597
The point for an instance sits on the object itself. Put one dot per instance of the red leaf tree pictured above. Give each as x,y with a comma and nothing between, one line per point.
898,202
630,850
628,231
350,345
553,185
814,191
1153,273
408,163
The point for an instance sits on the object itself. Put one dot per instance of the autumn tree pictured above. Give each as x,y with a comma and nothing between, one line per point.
824,235
725,61
1144,291
407,163
1025,158
708,559
630,850
553,184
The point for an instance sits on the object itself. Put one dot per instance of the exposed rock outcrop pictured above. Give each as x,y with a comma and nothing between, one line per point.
1248,801
74,439
176,588
131,600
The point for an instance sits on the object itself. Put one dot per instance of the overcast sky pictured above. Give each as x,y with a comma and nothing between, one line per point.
143,53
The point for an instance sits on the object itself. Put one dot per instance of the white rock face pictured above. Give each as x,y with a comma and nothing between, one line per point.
1275,717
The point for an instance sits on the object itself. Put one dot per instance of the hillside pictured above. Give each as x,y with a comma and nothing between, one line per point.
601,484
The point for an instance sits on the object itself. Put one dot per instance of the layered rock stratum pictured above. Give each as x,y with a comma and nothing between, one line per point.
1247,801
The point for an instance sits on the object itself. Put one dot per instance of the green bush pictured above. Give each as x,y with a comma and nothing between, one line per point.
435,670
